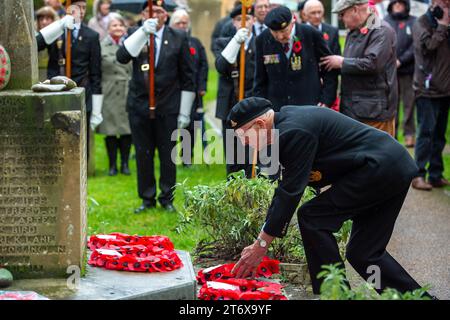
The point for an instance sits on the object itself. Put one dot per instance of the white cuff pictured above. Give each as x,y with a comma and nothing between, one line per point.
97,104
136,42
231,51
187,101
52,32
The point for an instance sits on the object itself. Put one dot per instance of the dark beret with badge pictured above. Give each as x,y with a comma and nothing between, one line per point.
238,11
279,18
247,110
168,5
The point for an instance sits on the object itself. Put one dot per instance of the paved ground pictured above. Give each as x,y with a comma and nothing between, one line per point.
421,239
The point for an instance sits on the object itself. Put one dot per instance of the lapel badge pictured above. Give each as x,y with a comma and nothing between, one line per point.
166,42
315,176
145,67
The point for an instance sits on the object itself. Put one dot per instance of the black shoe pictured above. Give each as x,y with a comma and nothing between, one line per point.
124,169
169,207
144,207
113,171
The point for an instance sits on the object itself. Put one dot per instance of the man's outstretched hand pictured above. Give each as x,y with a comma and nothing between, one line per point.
251,257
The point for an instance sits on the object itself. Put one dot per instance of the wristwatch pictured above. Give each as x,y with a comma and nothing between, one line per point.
262,243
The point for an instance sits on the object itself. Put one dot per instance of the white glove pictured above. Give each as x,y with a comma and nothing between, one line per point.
96,116
231,51
136,42
52,32
187,101
241,35
150,26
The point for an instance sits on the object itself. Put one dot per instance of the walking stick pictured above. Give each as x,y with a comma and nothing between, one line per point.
151,70
245,5
68,45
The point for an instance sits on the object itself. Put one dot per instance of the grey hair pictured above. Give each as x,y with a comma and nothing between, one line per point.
177,15
115,16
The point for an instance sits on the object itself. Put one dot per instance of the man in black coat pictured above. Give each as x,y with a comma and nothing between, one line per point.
228,65
181,20
174,95
86,57
369,173
402,22
314,12
287,63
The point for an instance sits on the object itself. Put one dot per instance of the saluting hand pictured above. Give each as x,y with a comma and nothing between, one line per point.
331,62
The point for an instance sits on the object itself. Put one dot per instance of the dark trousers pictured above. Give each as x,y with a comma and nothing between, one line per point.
406,94
115,143
373,224
235,164
199,118
432,117
149,135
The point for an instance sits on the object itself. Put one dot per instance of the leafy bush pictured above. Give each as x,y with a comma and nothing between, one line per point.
232,214
335,287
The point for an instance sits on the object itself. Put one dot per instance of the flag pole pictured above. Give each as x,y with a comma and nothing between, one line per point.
68,45
151,70
245,5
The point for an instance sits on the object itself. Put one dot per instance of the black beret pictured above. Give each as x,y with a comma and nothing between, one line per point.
278,18
65,2
167,5
238,11
247,110
301,5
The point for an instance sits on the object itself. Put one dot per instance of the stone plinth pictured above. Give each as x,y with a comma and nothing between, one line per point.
102,284
42,182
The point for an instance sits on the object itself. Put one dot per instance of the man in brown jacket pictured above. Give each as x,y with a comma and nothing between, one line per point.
432,87
368,68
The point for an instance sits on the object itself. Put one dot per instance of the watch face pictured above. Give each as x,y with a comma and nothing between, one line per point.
262,243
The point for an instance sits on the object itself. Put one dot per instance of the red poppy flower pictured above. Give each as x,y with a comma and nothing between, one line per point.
364,30
401,25
297,47
193,51
326,37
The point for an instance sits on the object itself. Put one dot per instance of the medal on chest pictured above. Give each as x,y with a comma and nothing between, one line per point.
296,63
296,59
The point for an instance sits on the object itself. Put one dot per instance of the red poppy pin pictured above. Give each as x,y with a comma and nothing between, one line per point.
364,30
193,51
297,46
326,37
401,25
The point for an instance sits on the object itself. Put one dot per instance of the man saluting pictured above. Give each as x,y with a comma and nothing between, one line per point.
369,173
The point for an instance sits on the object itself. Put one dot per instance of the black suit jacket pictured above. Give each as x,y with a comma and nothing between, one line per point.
226,95
200,59
174,73
331,37
339,151
86,61
277,81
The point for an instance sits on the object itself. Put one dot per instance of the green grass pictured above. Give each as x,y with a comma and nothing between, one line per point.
112,200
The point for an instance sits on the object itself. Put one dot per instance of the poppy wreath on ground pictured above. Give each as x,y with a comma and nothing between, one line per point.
241,289
122,252
219,283
266,269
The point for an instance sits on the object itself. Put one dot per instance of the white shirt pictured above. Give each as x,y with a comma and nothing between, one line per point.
318,28
291,42
158,43
257,25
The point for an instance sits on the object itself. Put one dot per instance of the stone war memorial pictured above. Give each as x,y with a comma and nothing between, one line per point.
43,187
42,161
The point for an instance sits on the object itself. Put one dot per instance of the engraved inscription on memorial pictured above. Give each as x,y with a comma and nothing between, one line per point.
31,167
